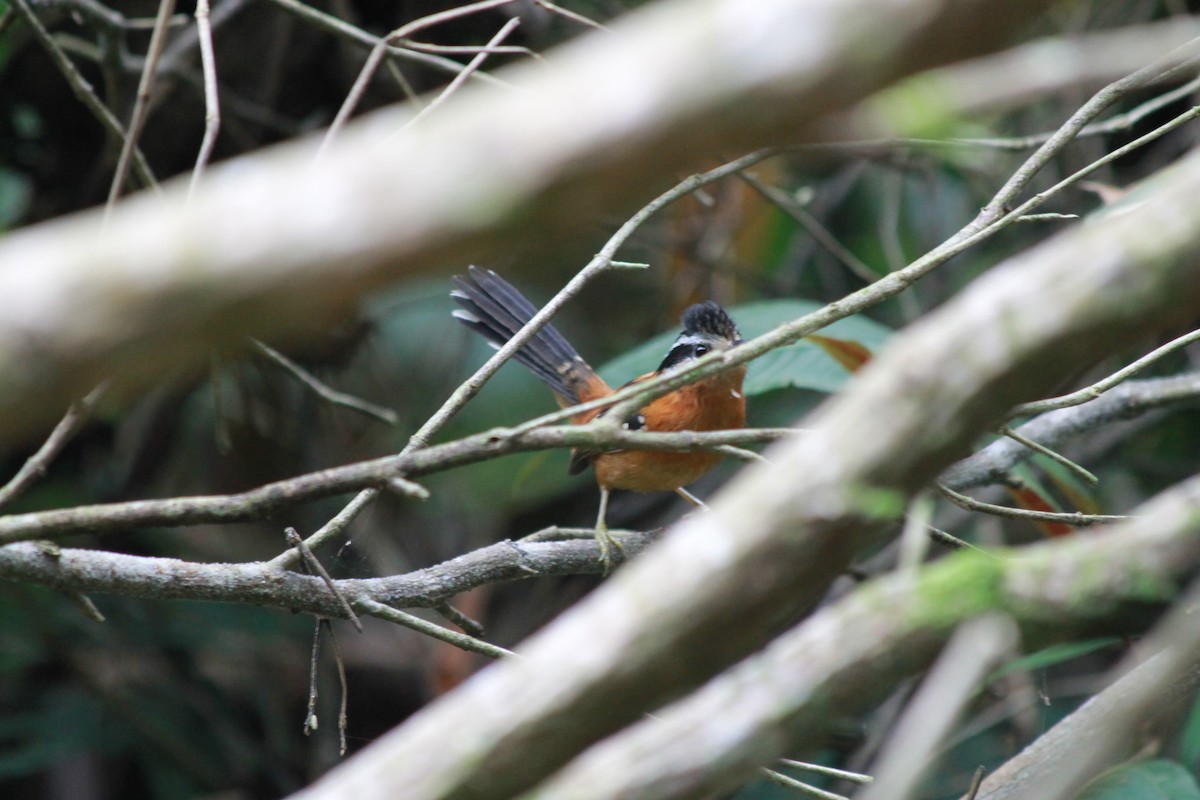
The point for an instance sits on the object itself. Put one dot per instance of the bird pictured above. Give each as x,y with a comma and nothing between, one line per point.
495,309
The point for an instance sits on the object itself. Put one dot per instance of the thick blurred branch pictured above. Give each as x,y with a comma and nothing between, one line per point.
279,243
852,654
1140,710
719,584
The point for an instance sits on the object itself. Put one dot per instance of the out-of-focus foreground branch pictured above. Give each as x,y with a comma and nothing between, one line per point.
720,584
1137,712
280,242
853,653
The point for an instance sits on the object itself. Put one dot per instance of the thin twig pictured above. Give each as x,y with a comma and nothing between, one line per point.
1048,217
811,224
1100,387
310,560
380,50
326,393
39,462
571,15
212,105
828,772
990,221
339,662
460,640
177,55
256,503
993,463
411,461
600,263
801,786
471,49
1071,128
950,540
740,453
468,625
333,528
461,78
1053,455
82,89
556,533
410,94
310,718
406,488
85,605
1070,518
141,106
1113,124
976,780
338,27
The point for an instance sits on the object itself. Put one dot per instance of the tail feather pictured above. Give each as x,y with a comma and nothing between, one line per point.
495,309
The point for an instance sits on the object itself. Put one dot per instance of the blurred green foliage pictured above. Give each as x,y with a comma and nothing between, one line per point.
1157,779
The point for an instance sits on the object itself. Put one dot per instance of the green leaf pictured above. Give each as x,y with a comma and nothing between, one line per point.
1053,655
16,194
1146,780
1027,475
1079,494
802,365
1189,736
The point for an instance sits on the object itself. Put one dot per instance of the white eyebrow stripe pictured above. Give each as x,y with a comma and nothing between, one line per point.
690,339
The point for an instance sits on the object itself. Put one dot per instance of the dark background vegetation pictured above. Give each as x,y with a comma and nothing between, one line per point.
182,699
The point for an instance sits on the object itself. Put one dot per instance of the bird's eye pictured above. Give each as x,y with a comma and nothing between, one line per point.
701,349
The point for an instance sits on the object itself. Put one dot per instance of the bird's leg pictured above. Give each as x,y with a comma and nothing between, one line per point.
691,498
608,545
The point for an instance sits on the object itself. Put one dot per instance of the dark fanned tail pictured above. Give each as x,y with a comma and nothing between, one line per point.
495,309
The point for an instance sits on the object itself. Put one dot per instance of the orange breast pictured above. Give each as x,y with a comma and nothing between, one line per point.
710,405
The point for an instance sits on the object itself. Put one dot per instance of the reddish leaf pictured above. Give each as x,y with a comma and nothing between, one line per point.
851,355
1075,492
1030,500
452,665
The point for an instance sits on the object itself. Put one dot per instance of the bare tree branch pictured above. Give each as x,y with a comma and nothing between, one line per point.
850,654
262,584
489,564
726,582
259,503
141,108
290,243
988,466
602,262
1054,428
1141,708
83,90
719,584
37,464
